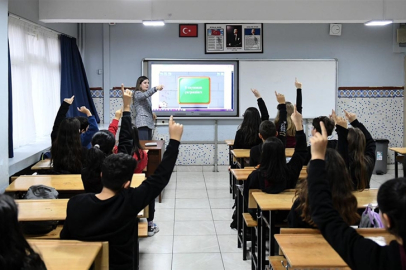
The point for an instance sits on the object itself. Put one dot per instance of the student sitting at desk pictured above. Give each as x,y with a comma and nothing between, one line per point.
341,189
267,130
111,215
357,147
354,249
15,252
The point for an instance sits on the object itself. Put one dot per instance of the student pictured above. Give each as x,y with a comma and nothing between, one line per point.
329,124
290,129
102,146
67,152
267,129
111,214
144,118
15,252
247,133
85,136
340,184
357,251
357,147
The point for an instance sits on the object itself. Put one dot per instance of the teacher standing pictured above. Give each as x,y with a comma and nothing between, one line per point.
144,118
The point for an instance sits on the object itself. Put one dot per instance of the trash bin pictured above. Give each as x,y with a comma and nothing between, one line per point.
381,154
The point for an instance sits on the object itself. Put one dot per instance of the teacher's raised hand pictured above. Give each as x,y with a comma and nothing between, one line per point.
159,87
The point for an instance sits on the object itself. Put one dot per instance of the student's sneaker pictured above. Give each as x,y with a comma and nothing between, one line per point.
153,230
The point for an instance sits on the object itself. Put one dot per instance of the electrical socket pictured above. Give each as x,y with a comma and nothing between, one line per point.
162,138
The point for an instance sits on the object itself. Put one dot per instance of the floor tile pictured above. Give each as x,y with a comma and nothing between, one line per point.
193,214
190,185
165,227
196,244
188,194
218,185
156,261
166,203
233,261
198,261
223,227
222,214
169,194
192,203
156,244
219,194
194,228
228,243
167,214
221,203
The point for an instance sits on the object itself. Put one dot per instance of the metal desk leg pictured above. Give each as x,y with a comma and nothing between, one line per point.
396,166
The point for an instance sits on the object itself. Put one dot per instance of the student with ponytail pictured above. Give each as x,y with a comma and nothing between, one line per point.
357,147
357,251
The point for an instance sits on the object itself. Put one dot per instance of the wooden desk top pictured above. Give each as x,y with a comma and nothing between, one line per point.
241,174
160,144
229,142
245,153
64,254
42,165
312,250
289,152
284,200
399,150
66,182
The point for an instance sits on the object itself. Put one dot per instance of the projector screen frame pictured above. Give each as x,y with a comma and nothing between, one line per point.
145,69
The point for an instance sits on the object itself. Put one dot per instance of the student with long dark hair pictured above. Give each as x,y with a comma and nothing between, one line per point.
247,133
357,147
357,251
15,252
341,189
144,118
290,127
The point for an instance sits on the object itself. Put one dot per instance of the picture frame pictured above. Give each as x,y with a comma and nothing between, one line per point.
188,30
233,38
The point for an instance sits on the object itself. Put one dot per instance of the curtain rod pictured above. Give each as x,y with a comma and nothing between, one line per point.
37,25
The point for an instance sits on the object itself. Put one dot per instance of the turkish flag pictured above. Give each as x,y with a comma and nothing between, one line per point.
188,30
215,32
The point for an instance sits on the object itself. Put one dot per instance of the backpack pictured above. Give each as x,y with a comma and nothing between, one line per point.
39,192
370,219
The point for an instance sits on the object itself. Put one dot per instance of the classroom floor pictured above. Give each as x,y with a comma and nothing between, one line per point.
194,220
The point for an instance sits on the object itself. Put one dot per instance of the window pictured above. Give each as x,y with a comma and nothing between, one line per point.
36,78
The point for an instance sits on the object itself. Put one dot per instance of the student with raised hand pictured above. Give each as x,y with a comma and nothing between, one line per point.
357,251
340,184
111,215
15,252
357,147
144,118
85,135
290,128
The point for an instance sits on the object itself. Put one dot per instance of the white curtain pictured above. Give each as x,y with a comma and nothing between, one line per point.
36,78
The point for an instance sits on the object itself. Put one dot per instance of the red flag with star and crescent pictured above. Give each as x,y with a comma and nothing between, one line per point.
188,30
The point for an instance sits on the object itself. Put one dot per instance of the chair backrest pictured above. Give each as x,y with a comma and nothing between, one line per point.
251,202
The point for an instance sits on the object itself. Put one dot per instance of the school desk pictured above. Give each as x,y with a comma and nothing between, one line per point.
44,164
230,144
62,183
397,151
155,154
312,251
283,202
72,255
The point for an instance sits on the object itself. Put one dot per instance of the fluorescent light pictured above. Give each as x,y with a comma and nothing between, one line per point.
153,23
378,22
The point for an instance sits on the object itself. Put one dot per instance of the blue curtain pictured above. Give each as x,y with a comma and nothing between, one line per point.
10,109
73,78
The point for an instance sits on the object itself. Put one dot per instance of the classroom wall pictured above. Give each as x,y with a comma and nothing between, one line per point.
365,58
29,9
3,95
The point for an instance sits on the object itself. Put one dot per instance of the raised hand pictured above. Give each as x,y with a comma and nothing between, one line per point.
127,99
298,84
85,110
256,93
154,116
118,114
175,129
297,120
280,98
350,116
69,100
319,143
159,87
340,121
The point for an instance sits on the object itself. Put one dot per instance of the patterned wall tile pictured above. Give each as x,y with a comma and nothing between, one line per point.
377,93
97,93
99,104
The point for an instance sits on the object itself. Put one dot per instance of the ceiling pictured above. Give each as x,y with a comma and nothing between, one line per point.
265,11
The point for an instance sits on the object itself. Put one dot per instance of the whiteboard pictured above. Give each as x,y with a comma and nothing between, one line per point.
318,77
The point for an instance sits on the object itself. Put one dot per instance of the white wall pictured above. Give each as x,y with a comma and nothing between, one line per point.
29,9
3,95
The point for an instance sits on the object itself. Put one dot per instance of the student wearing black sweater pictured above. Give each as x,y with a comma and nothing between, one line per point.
111,215
247,134
357,147
354,249
267,130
